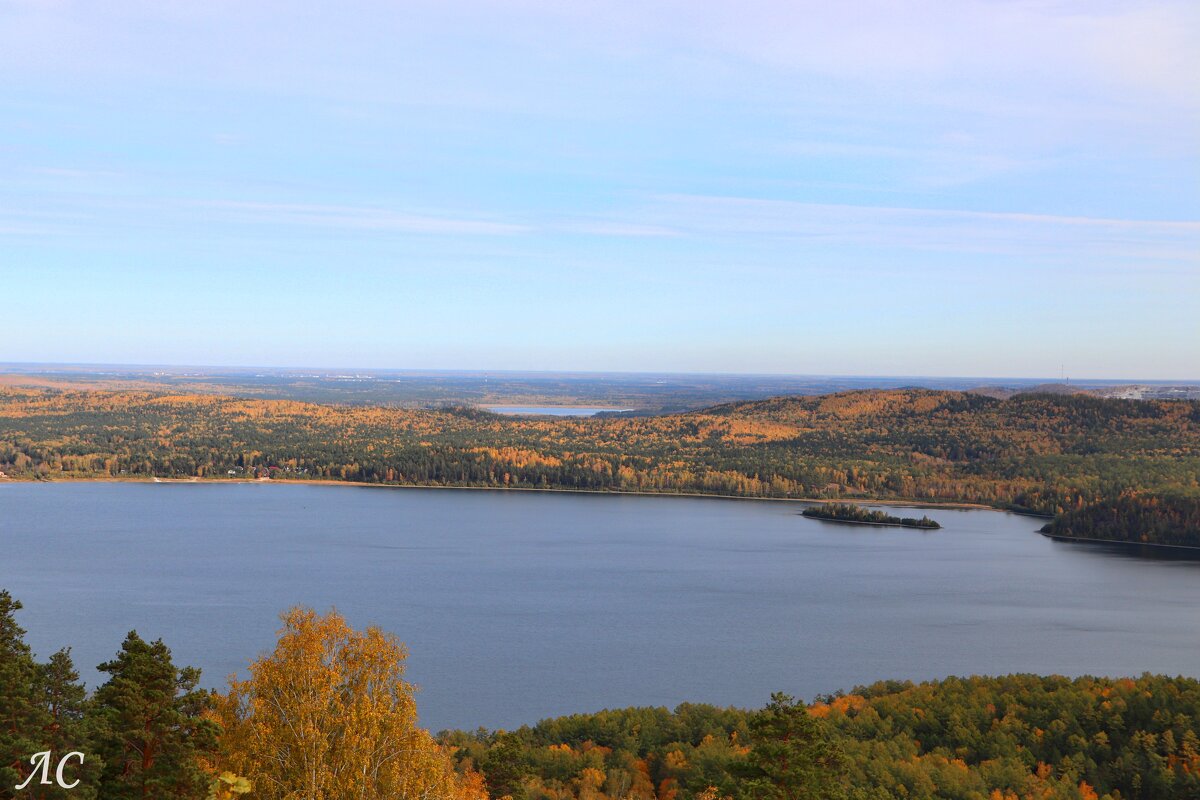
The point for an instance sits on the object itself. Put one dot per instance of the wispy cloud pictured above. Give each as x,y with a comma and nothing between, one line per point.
963,230
1090,47
769,212
355,218
70,172
99,215
617,229
956,160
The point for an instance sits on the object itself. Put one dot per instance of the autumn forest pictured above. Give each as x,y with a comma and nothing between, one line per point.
1039,453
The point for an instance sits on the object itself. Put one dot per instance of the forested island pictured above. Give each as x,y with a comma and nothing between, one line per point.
857,515
151,731
1043,453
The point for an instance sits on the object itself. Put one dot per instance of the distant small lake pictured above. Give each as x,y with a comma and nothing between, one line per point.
522,605
552,411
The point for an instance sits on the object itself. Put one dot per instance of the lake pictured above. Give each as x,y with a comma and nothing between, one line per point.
552,411
522,605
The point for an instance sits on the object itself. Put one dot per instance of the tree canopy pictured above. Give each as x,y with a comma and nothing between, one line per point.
328,714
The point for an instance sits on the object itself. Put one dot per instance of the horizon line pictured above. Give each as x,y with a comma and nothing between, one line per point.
8,366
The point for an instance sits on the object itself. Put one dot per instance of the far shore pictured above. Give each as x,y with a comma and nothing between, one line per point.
324,482
801,500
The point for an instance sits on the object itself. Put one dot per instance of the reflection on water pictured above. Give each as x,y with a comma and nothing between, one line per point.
1133,549
522,605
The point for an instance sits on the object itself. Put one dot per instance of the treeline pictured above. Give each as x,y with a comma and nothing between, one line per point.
1018,737
845,512
1045,453
1134,518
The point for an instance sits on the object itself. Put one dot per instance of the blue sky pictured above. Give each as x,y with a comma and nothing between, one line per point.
937,188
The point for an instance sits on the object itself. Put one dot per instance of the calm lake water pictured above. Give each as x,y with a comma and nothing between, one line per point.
551,411
518,606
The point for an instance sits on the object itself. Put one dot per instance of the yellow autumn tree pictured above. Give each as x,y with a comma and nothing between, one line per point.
328,716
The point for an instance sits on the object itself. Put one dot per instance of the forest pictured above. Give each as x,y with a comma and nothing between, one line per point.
328,714
1041,453
1133,518
847,512
1015,736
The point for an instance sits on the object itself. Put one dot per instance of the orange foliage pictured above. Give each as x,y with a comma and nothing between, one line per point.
846,704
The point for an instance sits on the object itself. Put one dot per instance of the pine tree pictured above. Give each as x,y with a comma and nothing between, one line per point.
791,755
67,728
41,709
19,712
505,767
152,734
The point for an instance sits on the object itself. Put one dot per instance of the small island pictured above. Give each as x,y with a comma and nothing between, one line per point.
844,512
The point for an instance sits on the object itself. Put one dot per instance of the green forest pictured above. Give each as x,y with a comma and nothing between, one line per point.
1133,518
1047,454
328,714
1014,736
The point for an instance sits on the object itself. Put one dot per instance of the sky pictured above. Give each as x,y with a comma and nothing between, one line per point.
938,187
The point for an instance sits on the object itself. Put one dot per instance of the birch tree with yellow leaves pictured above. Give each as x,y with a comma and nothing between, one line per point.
328,716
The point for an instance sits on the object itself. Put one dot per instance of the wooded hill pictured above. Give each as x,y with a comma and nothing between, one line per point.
1045,453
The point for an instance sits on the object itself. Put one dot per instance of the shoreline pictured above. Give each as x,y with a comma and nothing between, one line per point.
1058,537
953,505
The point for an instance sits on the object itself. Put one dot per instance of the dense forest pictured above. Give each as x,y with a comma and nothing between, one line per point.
1049,454
327,714
1134,518
846,512
1017,736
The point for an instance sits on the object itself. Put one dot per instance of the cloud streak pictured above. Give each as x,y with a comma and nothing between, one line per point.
354,218
768,210
1066,238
